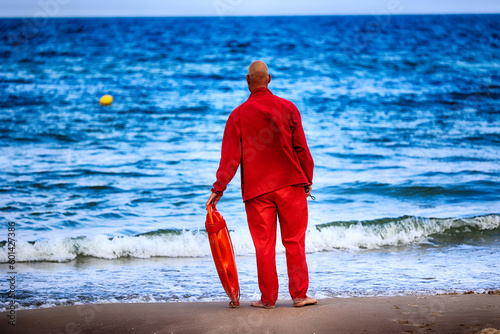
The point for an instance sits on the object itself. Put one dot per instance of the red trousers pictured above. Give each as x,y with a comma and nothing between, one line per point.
289,204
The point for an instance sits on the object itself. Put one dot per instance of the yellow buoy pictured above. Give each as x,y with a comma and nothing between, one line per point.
106,100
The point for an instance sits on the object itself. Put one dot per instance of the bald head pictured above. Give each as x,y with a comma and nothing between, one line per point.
258,75
258,71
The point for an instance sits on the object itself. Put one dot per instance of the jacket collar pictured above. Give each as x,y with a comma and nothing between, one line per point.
260,90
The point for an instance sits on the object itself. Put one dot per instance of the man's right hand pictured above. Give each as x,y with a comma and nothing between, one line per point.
213,199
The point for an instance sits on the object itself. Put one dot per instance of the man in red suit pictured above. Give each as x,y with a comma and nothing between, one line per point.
265,136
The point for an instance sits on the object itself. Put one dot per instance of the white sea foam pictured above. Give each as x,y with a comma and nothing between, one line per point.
186,244
397,232
338,235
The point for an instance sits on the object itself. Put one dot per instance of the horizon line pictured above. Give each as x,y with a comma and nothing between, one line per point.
249,15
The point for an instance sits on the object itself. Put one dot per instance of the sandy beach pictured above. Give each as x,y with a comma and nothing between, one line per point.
469,313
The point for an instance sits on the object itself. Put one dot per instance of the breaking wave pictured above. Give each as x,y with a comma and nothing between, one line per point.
342,235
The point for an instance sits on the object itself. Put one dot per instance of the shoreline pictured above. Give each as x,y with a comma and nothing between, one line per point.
448,313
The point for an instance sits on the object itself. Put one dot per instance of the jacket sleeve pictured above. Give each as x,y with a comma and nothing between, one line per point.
300,144
230,154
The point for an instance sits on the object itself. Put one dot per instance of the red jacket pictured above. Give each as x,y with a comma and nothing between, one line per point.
266,137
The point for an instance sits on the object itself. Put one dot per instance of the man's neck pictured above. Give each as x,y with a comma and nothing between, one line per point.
255,88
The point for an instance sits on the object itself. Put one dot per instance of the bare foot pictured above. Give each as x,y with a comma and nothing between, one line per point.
261,305
304,301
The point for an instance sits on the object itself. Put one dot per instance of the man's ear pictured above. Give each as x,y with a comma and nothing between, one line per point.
248,78
269,80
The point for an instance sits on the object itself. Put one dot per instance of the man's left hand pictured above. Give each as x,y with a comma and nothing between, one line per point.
308,190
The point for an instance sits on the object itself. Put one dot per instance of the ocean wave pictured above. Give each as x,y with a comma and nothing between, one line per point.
406,230
352,235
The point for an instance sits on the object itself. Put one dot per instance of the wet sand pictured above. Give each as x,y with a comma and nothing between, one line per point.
469,313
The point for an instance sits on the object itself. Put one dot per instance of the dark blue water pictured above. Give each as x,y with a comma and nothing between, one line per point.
401,114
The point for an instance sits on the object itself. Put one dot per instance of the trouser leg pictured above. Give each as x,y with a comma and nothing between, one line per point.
293,217
261,216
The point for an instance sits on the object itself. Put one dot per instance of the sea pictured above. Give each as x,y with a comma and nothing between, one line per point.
106,204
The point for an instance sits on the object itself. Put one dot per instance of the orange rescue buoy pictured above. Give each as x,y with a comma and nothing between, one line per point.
223,254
